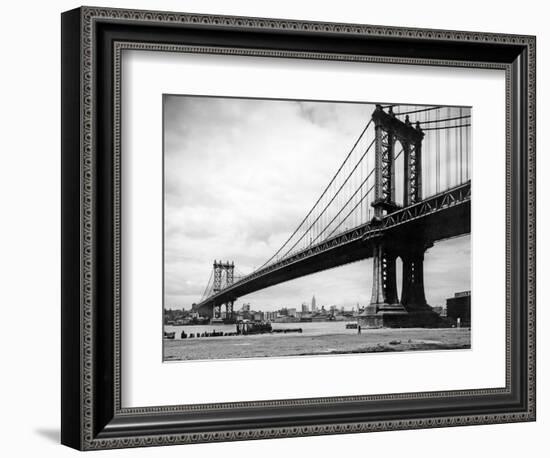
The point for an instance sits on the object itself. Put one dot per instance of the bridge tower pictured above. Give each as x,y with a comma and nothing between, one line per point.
216,287
230,277
385,309
224,275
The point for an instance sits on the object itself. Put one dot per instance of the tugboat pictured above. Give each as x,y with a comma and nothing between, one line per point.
247,327
351,326
170,335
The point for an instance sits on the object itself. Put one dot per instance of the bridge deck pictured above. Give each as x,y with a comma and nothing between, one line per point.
436,218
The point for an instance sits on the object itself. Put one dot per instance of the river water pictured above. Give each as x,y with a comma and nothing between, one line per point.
308,329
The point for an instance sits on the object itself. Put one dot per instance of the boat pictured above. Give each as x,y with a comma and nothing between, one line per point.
351,325
246,327
170,335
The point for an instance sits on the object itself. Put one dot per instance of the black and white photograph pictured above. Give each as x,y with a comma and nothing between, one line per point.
309,228
266,229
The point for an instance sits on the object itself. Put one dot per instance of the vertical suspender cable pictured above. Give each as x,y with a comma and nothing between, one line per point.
425,157
468,146
447,152
361,206
426,154
354,216
455,147
460,148
437,152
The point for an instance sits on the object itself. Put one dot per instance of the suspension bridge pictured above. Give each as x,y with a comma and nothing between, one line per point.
403,186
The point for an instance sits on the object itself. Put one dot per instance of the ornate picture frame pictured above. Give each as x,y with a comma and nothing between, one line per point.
93,416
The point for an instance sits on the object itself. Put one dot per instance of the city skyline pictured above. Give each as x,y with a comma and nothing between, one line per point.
223,200
312,306
300,308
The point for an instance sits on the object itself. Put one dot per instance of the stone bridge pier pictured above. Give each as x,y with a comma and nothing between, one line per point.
385,308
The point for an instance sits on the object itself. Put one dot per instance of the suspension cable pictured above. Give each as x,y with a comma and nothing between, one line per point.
204,295
398,154
331,200
446,119
352,210
322,195
447,127
344,206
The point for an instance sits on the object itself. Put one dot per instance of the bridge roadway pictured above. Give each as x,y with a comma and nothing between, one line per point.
435,218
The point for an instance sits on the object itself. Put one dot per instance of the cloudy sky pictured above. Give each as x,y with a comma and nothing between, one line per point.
240,174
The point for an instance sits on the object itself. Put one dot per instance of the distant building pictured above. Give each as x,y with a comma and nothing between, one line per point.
305,308
313,304
459,307
246,308
291,312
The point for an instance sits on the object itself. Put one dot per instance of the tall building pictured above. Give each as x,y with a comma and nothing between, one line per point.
305,308
313,304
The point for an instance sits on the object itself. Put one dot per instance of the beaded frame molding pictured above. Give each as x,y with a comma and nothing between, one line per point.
92,42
